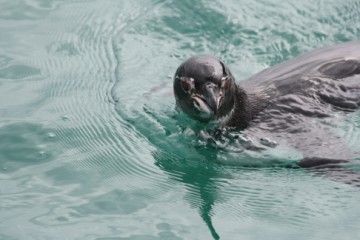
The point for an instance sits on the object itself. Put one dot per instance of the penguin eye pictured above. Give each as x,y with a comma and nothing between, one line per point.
187,84
226,82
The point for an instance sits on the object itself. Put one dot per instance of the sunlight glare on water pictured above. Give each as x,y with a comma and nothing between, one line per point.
91,146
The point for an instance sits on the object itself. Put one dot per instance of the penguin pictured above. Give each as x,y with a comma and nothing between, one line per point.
284,101
313,84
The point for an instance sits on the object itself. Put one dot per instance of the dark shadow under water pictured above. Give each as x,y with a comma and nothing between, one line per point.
200,181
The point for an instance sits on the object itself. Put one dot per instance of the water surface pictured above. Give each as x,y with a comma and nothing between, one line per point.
91,146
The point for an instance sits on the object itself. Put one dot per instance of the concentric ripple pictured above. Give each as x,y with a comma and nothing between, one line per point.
91,146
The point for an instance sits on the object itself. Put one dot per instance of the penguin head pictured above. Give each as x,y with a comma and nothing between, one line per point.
204,88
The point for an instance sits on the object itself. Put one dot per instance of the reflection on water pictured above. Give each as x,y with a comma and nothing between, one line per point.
91,146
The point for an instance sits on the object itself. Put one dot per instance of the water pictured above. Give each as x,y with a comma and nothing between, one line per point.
91,146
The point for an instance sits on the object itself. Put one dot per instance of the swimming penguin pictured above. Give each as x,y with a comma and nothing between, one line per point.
312,85
294,103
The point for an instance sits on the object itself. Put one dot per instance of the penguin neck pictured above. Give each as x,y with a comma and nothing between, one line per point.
247,104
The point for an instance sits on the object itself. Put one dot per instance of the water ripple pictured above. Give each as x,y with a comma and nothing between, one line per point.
111,152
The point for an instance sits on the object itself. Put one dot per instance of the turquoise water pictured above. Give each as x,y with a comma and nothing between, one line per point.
91,146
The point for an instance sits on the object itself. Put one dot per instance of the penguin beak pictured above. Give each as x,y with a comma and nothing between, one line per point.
208,103
200,103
